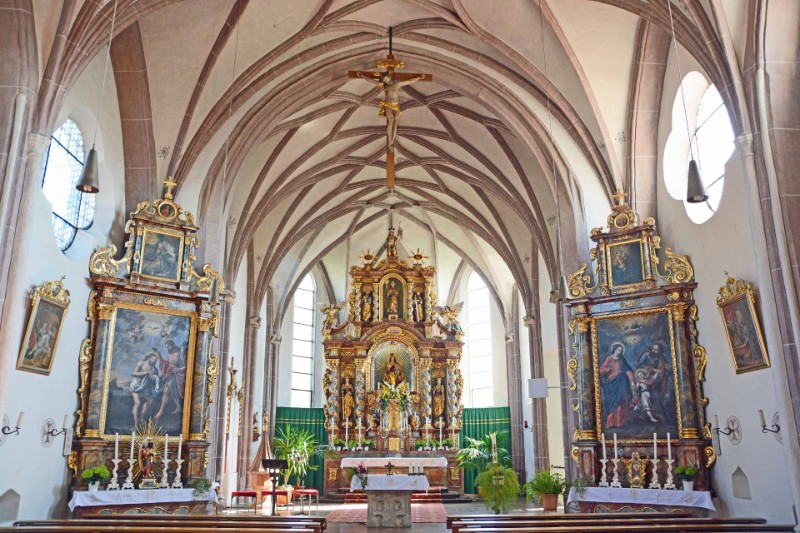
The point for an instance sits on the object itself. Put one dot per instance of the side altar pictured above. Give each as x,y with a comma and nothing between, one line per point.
393,375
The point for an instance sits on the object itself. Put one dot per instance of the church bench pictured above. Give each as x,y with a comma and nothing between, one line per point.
271,521
566,521
145,528
641,528
575,516
183,523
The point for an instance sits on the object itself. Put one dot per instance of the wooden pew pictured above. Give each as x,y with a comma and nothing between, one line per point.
146,529
566,521
186,522
321,520
550,516
689,527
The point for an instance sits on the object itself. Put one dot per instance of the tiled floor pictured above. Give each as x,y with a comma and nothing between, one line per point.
454,508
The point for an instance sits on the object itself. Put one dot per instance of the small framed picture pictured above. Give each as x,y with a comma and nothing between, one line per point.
625,263
162,255
48,308
736,304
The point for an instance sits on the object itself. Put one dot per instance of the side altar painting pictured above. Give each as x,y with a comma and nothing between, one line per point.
393,378
636,367
146,369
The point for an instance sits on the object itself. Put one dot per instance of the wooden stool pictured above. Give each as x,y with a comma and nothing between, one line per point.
244,494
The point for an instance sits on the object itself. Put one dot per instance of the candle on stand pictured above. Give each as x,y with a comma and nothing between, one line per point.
116,446
346,428
615,447
359,424
440,431
603,435
21,417
760,418
716,421
166,448
427,421
655,446
65,424
453,424
669,448
180,445
133,439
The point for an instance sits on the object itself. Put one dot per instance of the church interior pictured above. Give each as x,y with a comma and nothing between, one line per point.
335,257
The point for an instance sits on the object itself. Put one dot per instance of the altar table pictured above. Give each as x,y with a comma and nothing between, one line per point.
167,501
425,462
606,499
389,498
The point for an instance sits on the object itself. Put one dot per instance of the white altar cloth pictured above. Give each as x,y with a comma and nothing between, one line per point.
695,498
394,482
85,498
425,462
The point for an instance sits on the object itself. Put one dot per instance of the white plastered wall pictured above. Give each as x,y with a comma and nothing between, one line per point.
38,473
723,243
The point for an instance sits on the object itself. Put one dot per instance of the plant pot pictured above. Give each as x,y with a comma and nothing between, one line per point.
366,448
94,486
550,502
338,448
688,485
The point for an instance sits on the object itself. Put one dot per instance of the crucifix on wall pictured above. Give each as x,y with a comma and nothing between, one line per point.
391,82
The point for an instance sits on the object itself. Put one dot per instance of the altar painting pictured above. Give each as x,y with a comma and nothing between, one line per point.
41,337
393,365
162,255
150,352
634,359
625,263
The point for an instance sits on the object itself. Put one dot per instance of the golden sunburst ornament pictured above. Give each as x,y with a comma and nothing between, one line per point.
147,460
418,257
367,257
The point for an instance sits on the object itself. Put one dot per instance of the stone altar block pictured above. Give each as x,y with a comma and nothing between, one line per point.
389,498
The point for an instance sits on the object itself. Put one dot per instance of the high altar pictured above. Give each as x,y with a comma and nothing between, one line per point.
393,368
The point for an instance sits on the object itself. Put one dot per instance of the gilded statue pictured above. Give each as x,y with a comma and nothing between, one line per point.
417,307
348,403
390,105
438,398
393,298
366,309
393,373
450,316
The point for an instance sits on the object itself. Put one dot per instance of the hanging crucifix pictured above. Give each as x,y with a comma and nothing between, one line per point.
391,82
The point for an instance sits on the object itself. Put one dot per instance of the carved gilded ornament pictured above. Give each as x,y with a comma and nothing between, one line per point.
206,282
579,284
210,323
622,216
700,361
72,462
102,262
707,431
212,371
572,372
711,457
84,362
91,303
105,312
678,311
575,454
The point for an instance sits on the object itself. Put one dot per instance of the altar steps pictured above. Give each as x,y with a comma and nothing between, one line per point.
434,494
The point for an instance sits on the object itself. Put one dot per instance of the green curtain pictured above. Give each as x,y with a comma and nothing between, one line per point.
313,420
477,423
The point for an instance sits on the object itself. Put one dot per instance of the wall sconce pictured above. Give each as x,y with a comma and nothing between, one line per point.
63,431
727,431
764,429
8,431
526,427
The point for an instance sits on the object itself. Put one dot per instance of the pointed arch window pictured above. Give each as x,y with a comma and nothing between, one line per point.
303,343
479,342
63,163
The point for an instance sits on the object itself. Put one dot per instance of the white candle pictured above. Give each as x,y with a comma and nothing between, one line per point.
116,446
716,421
440,431
427,421
133,439
453,424
21,417
603,435
66,422
346,427
359,422
166,448
760,417
180,444
655,446
669,448
616,456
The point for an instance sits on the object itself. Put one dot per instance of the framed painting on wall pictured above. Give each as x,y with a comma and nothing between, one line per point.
48,307
162,255
625,264
736,304
634,361
149,364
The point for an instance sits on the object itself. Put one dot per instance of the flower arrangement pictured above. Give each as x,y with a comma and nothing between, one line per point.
686,473
360,472
95,474
390,392
201,486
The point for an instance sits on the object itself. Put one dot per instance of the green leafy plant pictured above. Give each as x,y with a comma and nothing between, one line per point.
368,442
201,486
579,484
686,472
95,474
498,486
447,443
352,444
544,482
477,454
297,446
339,442
419,443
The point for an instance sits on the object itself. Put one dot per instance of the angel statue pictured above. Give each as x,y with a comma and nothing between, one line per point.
331,313
450,316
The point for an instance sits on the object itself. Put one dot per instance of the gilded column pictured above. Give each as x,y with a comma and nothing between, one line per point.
361,390
204,375
105,316
425,384
332,390
584,376
453,391
689,426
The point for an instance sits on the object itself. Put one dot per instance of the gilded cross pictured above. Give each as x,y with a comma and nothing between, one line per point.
391,82
169,185
619,197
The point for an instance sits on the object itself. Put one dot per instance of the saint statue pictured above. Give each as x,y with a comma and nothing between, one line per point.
438,398
392,373
390,105
348,403
392,298
366,309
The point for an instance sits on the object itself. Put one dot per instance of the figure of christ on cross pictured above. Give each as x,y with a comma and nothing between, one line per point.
391,82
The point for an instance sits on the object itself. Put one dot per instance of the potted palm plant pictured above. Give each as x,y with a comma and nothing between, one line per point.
545,488
477,454
297,446
498,486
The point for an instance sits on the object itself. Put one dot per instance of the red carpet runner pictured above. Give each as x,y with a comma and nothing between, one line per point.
420,512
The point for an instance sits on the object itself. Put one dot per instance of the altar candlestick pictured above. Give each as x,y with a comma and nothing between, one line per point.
180,444
453,423
21,417
359,422
760,418
133,439
494,447
655,446
616,456
716,421
427,421
66,422
166,448
669,448
346,427
116,446
440,431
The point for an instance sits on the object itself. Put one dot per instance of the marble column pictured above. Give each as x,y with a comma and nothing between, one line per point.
425,385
